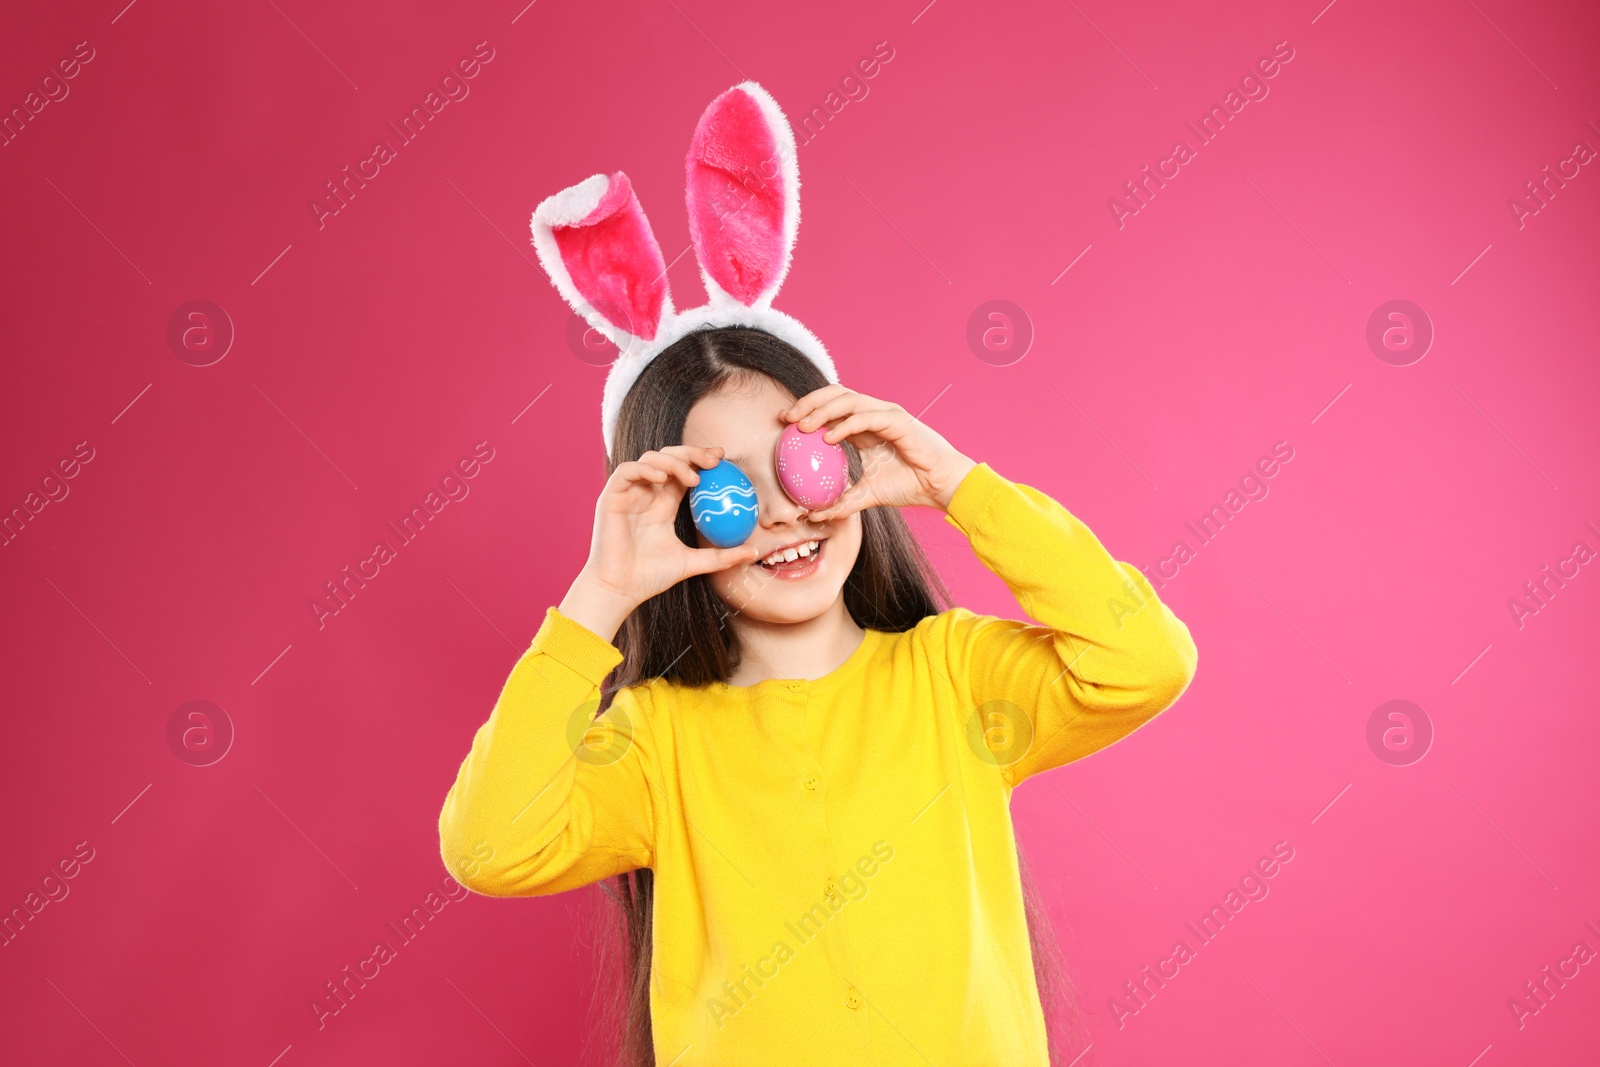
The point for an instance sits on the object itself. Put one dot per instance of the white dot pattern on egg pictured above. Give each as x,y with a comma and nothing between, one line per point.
812,471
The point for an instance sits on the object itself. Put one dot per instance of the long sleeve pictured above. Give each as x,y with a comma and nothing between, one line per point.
548,800
1108,657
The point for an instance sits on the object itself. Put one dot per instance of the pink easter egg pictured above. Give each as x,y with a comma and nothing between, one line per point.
813,472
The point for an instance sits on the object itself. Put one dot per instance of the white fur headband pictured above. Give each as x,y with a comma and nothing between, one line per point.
743,193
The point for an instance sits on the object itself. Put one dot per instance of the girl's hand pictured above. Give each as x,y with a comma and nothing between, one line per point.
635,552
904,461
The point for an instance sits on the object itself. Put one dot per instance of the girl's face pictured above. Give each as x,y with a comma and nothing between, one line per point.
743,419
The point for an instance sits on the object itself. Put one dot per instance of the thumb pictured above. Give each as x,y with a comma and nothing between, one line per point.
709,560
857,497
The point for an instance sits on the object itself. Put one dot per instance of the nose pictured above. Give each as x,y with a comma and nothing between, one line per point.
776,509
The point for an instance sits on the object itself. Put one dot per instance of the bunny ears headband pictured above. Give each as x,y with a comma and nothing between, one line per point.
743,193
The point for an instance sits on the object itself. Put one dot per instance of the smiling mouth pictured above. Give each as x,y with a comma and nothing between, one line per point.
796,562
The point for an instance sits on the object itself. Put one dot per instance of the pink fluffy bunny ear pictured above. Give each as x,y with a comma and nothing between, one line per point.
744,195
595,243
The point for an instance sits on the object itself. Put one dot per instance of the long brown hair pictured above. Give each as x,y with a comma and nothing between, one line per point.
683,635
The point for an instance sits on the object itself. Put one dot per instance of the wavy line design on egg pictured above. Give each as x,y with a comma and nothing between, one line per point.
729,500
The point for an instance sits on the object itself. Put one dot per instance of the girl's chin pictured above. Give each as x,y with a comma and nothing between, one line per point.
782,602
773,615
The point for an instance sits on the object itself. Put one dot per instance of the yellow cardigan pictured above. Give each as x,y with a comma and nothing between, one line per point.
835,870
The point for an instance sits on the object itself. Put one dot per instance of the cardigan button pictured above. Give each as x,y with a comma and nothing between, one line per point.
831,890
812,782
795,687
852,999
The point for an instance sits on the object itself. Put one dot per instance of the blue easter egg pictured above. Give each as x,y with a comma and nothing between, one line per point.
723,505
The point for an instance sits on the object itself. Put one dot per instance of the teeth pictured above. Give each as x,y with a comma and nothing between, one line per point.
790,554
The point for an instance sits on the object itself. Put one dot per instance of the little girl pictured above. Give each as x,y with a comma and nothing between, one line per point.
795,765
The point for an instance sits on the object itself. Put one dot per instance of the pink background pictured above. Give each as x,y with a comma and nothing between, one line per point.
373,353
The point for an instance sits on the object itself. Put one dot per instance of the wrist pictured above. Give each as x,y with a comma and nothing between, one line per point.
961,467
596,605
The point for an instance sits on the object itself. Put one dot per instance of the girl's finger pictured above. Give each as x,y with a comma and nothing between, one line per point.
634,471
835,407
700,455
674,465
856,498
811,400
708,560
882,422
